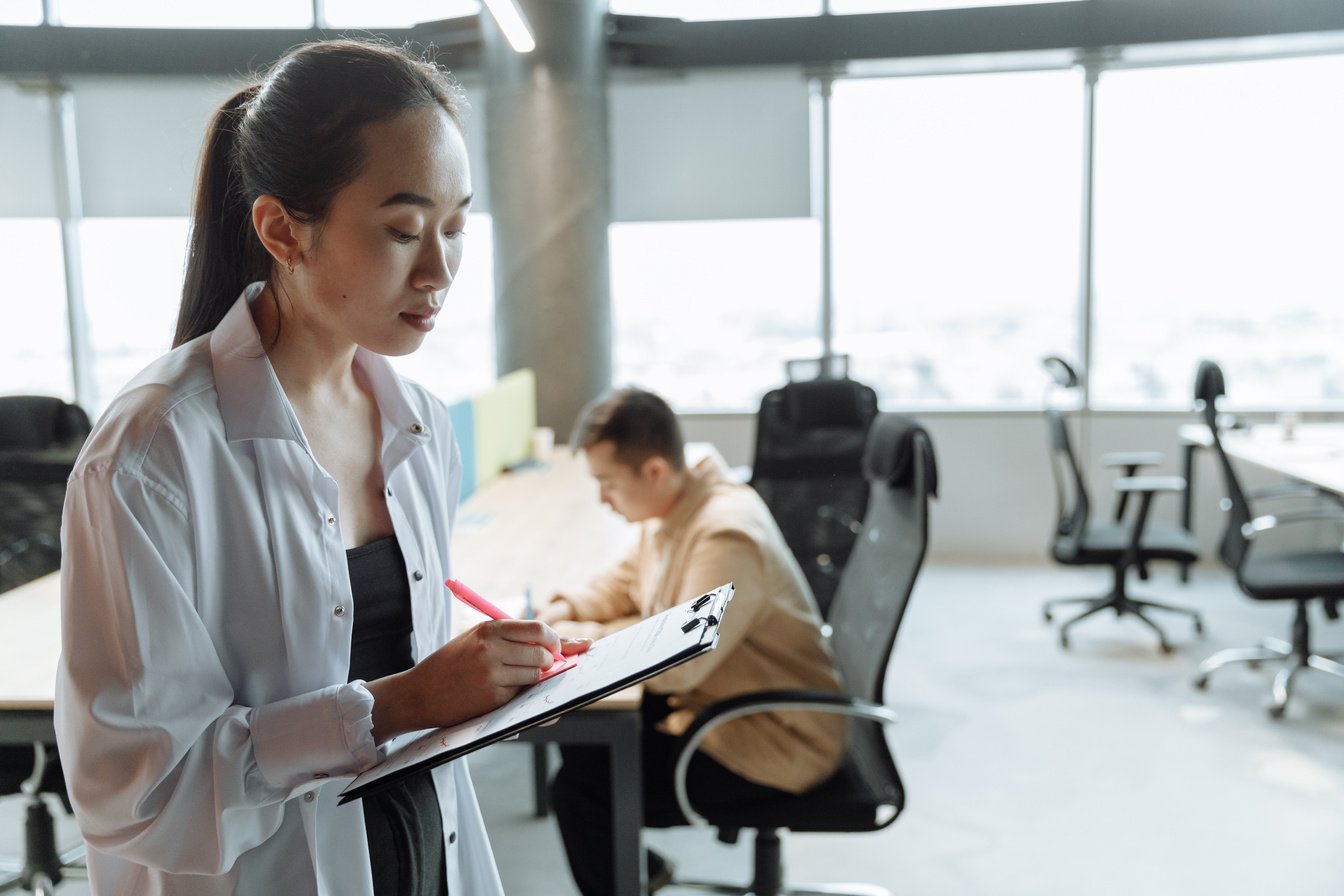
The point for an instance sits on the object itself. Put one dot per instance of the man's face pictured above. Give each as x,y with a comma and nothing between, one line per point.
634,494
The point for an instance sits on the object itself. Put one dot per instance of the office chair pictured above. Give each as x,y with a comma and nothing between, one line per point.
34,771
40,436
1298,576
866,793
809,445
1080,540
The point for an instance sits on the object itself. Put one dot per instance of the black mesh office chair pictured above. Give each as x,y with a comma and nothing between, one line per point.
40,437
809,445
1120,543
866,794
1297,576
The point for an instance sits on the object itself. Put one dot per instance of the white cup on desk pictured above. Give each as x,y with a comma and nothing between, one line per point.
1288,421
543,444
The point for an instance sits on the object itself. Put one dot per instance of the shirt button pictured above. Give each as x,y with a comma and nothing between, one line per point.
418,428
308,797
340,610
417,575
452,837
389,491
331,520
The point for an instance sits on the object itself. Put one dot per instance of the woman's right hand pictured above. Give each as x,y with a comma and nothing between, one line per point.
479,670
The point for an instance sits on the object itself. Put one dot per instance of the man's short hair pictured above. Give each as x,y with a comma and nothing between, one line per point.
638,423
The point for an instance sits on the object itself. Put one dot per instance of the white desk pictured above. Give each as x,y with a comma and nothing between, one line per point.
1315,454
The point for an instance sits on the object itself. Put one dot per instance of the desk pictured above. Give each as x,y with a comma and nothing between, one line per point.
1315,455
541,526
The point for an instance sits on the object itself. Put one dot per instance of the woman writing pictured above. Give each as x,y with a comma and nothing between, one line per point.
257,532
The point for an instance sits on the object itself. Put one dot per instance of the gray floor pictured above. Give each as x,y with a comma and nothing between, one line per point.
1031,770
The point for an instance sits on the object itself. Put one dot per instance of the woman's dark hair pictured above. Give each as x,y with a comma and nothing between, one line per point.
295,135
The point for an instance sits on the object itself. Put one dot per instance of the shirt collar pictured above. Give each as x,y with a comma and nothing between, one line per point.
252,402
700,482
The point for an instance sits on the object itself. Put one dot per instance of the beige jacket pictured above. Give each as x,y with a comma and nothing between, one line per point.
721,531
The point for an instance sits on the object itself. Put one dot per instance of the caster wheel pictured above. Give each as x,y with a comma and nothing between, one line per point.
1253,664
1199,627
1166,648
1048,616
1064,641
1276,712
1201,683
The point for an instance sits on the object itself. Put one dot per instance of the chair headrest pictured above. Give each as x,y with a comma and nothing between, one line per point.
35,422
889,455
1209,385
1061,372
826,402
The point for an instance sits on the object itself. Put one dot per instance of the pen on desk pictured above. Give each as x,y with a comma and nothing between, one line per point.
480,604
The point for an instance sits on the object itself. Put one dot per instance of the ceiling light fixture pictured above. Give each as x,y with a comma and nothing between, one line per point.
510,20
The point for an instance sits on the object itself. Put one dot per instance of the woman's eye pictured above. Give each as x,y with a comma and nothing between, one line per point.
401,236
454,234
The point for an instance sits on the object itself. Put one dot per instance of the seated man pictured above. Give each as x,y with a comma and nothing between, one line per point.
699,530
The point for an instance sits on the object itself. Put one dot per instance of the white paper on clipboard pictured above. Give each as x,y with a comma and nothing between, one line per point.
615,662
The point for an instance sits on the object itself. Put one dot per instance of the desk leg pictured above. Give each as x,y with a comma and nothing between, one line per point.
627,812
1188,498
541,780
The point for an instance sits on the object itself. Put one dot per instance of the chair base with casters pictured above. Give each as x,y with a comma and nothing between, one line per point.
1295,657
848,794
1123,604
44,865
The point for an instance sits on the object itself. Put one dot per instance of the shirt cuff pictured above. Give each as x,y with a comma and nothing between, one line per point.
315,735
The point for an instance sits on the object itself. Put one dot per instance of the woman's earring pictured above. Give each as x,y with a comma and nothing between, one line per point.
290,263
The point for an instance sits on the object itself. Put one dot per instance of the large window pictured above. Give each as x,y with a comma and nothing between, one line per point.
956,233
34,340
707,312
1220,222
157,14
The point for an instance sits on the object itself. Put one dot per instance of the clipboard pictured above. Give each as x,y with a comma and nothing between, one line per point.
613,663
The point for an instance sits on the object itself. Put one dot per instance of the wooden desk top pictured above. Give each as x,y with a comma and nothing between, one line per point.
1314,455
540,526
30,618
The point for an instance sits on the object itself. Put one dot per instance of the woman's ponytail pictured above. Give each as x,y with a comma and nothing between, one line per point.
223,254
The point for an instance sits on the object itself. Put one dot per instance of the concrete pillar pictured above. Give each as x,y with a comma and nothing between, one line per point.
546,135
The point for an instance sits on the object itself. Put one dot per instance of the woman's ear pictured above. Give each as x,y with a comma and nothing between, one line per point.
277,230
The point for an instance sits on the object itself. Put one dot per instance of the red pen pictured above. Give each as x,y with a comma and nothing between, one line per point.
480,604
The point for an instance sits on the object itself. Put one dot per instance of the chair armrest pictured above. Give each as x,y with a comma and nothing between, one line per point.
723,711
1273,521
1132,459
1150,484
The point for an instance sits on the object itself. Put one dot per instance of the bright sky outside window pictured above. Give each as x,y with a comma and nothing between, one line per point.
695,10
864,6
34,341
956,210
707,312
20,12
393,13
1218,234
157,14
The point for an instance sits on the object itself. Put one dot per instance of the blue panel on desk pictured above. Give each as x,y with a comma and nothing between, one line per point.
464,429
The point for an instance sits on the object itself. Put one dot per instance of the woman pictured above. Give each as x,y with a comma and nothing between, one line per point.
257,532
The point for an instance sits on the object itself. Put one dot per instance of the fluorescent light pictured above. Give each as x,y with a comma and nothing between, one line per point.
510,20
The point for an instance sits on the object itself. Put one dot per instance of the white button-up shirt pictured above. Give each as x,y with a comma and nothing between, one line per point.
202,712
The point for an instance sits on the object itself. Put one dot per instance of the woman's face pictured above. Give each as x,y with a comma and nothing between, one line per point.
376,271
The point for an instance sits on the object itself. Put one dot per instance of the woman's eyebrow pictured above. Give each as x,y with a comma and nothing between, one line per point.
419,200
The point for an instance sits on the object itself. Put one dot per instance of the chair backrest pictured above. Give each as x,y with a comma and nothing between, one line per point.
1209,387
35,422
1071,498
809,447
899,466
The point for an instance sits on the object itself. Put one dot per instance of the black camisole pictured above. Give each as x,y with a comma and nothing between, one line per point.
405,828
